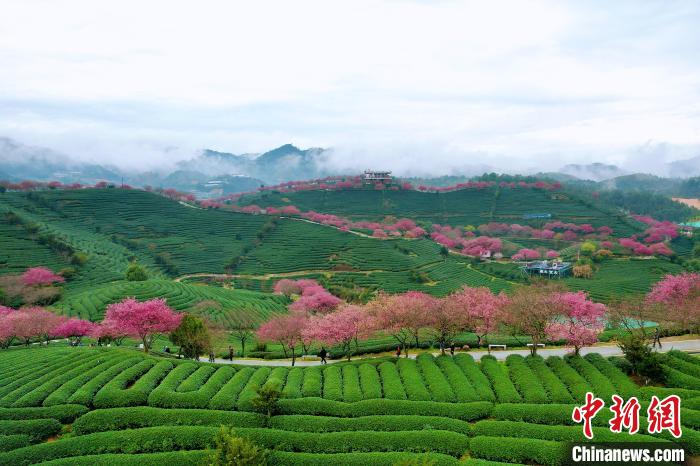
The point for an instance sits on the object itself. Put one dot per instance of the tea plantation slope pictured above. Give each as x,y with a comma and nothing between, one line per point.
145,414
223,306
462,207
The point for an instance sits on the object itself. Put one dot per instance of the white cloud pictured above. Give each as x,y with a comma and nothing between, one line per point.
125,80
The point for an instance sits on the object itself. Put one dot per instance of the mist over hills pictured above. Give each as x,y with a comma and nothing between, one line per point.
211,173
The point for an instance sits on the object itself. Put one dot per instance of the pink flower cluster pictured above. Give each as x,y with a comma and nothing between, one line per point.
37,323
526,254
641,249
488,184
313,297
657,231
36,276
457,238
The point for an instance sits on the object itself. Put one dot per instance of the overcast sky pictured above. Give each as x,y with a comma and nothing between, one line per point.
441,83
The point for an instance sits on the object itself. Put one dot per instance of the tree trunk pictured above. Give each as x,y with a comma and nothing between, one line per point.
293,357
243,348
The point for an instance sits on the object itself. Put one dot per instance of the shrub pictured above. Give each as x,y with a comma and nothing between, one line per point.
555,388
391,382
369,382
85,394
115,393
577,385
332,383
250,391
679,361
351,384
601,385
502,386
386,422
312,382
266,399
517,450
525,380
227,396
359,459
322,407
437,383
230,450
479,381
12,442
623,385
115,419
292,388
36,429
180,458
461,387
64,414
676,378
136,273
412,380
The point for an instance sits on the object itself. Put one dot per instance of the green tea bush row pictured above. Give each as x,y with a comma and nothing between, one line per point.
199,398
387,422
623,385
180,458
351,384
676,378
85,394
197,379
553,414
555,388
518,450
438,385
369,382
479,381
227,396
147,440
36,429
502,386
36,396
64,414
645,393
277,378
691,403
68,389
115,394
360,459
332,383
685,357
250,391
412,380
391,382
439,441
12,442
115,419
323,407
602,387
292,388
170,383
313,382
461,387
552,432
577,385
679,361
525,380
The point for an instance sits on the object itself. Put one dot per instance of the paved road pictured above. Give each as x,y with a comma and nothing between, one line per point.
605,350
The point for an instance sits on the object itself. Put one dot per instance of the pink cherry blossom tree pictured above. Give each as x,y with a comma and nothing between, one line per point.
551,254
35,322
480,309
285,330
679,296
74,330
7,327
109,331
144,320
580,321
526,254
342,327
40,276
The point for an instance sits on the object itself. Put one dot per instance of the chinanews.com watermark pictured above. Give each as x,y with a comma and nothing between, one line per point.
663,419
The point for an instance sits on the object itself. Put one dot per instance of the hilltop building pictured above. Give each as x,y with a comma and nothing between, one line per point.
374,177
548,269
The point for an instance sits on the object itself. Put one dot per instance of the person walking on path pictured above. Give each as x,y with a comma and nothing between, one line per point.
398,352
230,353
323,353
657,338
212,357
452,349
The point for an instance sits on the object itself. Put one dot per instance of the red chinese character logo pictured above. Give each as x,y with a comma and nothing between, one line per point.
587,412
665,415
626,415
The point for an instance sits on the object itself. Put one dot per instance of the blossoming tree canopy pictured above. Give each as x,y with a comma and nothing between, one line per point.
526,254
143,320
343,326
286,330
580,322
40,276
679,296
74,329
314,298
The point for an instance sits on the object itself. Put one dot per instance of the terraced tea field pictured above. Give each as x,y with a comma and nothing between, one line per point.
128,408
